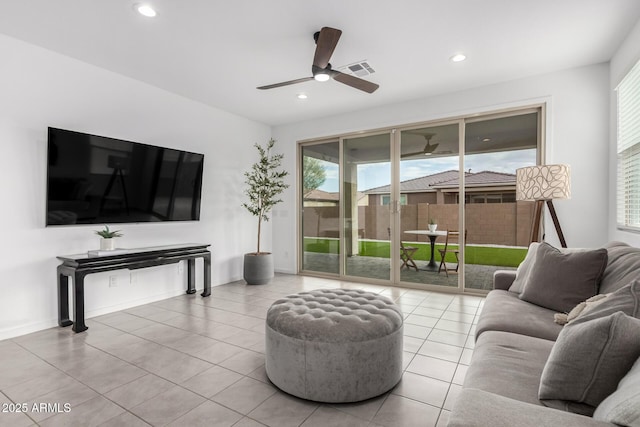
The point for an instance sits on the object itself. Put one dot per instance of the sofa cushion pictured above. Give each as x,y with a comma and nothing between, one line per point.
504,311
559,281
590,358
625,299
478,408
623,266
508,364
524,269
623,406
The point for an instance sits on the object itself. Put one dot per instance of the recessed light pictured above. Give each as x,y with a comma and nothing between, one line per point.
302,96
145,10
458,57
486,140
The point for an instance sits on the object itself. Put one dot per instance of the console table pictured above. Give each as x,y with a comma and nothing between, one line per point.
80,265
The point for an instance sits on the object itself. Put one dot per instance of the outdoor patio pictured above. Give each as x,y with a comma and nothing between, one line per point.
477,276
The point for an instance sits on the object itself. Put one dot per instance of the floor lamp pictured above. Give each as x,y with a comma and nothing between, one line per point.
544,183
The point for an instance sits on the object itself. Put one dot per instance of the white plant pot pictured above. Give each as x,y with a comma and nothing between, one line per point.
107,244
433,227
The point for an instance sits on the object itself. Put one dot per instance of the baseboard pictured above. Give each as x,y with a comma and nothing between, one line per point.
8,333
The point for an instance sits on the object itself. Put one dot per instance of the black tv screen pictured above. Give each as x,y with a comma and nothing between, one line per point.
98,180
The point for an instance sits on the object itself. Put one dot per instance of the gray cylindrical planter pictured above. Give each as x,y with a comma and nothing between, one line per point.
258,269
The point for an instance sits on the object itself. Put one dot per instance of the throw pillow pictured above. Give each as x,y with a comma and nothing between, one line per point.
590,358
524,269
626,299
623,406
560,281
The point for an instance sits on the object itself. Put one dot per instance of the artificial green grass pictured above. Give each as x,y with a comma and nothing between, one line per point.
479,255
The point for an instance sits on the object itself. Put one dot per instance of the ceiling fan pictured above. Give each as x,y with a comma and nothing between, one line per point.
428,148
326,41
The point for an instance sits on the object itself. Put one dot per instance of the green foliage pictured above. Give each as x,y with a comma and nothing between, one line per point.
264,184
313,174
108,234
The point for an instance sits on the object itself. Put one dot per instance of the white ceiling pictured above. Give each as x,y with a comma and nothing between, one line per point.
217,52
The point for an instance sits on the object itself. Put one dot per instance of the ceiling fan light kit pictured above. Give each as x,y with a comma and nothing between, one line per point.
326,41
145,10
428,149
321,77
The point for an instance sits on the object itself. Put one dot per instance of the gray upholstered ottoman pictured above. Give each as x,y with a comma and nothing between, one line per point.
337,345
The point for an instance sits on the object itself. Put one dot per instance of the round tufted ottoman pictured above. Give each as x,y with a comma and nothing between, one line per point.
337,345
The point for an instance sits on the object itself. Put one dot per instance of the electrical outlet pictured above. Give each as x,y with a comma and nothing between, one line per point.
180,268
133,279
113,281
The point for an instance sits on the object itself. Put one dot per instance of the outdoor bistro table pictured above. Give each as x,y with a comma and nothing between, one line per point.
433,235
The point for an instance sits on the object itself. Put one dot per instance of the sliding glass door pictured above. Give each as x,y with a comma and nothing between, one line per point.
366,164
319,186
429,161
498,227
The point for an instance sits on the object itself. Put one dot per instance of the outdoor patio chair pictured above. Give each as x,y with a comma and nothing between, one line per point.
406,254
453,236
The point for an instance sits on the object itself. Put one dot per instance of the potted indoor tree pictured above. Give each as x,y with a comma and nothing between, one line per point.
265,182
108,242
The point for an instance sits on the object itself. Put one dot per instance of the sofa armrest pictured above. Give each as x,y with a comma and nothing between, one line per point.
478,408
502,279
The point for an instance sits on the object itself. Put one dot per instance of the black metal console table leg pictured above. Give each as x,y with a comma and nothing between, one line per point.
191,276
63,298
207,275
78,303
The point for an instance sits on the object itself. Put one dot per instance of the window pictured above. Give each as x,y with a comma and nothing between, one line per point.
385,200
486,198
628,150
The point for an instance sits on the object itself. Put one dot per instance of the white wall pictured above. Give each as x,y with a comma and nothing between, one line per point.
39,88
577,131
626,57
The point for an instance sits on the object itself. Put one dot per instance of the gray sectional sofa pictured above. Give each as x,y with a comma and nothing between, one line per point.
527,370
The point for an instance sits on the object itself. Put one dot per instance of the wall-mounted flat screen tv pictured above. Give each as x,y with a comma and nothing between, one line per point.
98,180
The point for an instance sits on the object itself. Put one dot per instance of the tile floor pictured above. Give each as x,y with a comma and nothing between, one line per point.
191,361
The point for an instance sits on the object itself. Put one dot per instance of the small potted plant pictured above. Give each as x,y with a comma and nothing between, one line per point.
108,243
264,183
432,225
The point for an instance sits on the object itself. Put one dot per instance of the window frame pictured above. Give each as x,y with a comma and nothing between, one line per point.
628,151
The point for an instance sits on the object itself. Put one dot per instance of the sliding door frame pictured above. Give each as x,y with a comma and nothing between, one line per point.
395,132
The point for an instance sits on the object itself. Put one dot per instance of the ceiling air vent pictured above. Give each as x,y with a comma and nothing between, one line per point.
358,69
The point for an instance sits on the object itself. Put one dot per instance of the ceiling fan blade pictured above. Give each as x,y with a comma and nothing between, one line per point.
325,45
290,82
411,154
354,81
428,150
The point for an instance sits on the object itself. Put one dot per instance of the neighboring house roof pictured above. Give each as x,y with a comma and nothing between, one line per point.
448,179
325,196
417,185
480,179
320,195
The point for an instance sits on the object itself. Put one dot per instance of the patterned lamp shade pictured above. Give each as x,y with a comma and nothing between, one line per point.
544,182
